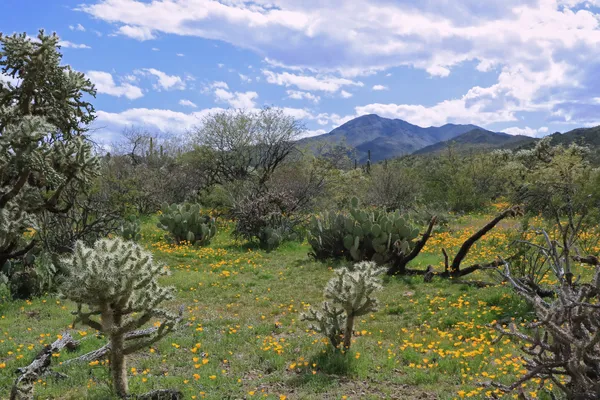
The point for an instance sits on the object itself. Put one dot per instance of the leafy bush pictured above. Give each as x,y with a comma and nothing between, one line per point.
29,276
267,217
185,222
361,235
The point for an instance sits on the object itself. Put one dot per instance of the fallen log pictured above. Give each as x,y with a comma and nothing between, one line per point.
23,387
104,350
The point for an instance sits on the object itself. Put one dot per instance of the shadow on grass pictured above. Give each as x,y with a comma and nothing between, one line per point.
330,366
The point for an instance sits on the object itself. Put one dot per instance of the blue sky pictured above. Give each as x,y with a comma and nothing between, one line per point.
518,66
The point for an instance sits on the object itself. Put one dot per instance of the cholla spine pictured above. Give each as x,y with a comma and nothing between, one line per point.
118,281
349,294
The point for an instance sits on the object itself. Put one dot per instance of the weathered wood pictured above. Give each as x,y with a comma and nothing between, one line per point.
23,387
161,394
103,351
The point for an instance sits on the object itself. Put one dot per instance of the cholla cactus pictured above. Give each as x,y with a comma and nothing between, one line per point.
350,295
117,280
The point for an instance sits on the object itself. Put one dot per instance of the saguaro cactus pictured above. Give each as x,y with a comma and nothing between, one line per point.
349,295
117,280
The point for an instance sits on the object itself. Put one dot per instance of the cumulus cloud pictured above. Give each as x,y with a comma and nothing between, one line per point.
305,82
300,95
526,131
380,87
219,84
9,79
164,81
242,100
77,27
71,45
345,95
173,121
245,78
105,83
136,32
187,103
558,39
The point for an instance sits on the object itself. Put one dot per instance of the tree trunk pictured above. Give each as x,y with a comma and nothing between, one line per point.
118,366
348,332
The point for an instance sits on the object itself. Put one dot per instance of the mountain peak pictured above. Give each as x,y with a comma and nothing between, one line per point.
387,138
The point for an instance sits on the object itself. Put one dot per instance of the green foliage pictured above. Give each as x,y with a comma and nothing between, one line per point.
130,229
43,148
118,281
29,276
267,217
361,235
349,295
185,222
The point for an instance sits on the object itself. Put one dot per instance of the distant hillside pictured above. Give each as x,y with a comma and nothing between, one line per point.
583,136
476,140
589,137
386,138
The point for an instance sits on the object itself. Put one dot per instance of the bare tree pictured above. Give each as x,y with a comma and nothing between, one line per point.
236,144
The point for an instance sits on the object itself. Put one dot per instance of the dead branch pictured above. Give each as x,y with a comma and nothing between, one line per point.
23,387
401,261
103,351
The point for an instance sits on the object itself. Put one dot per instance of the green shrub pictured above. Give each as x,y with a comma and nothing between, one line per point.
185,222
270,218
361,235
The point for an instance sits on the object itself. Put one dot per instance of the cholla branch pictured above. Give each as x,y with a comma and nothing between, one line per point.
118,281
350,295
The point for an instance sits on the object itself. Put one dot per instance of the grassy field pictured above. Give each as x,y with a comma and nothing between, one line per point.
243,337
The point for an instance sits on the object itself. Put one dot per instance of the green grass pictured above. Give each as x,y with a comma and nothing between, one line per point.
242,314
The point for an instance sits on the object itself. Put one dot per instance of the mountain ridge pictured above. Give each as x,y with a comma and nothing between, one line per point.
389,138
385,137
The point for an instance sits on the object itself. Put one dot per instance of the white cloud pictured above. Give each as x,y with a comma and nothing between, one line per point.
380,87
9,79
77,27
168,120
71,45
558,39
180,55
345,95
245,78
219,84
304,82
155,49
136,32
526,131
187,103
164,120
312,133
242,100
165,81
105,83
299,95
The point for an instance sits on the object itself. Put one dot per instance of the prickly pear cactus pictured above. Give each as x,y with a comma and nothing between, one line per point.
361,235
185,223
130,229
